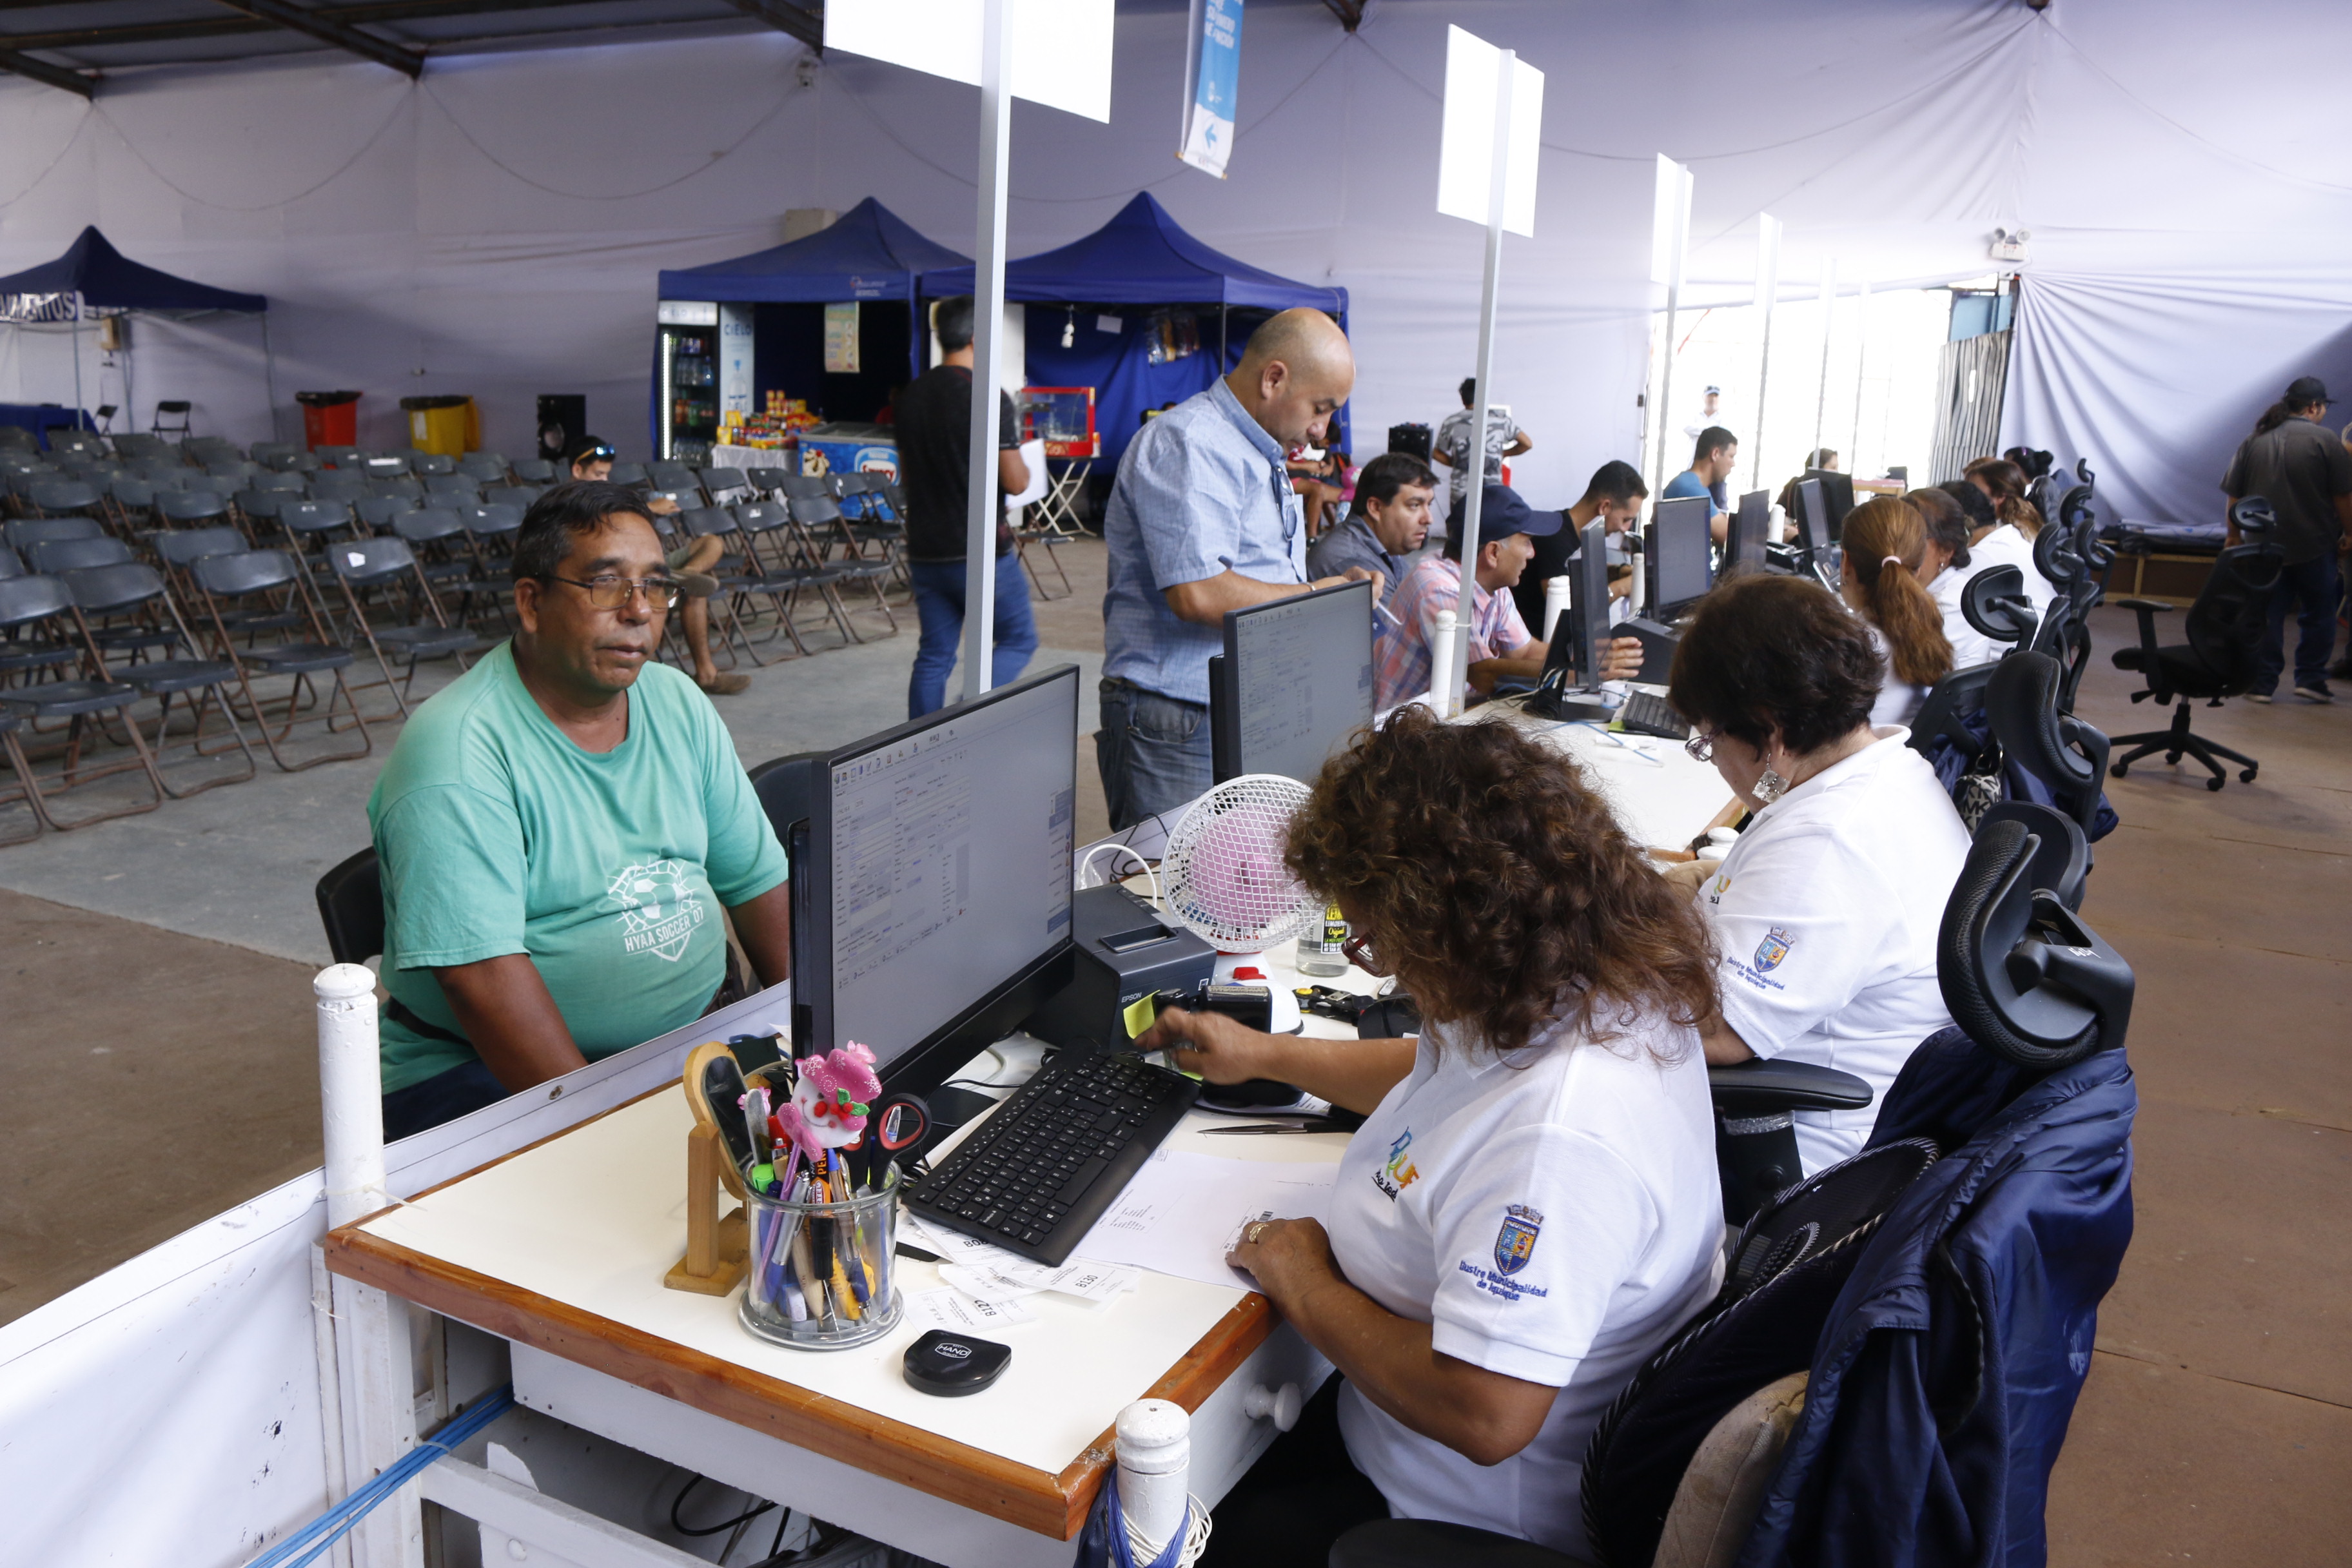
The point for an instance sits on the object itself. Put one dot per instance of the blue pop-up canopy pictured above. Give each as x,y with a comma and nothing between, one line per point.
1116,284
107,280
868,253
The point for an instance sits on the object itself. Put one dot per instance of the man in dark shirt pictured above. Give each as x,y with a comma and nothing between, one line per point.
934,462
2303,470
1615,496
1389,521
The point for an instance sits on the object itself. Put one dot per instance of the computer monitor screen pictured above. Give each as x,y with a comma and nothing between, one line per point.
1680,553
1837,499
1577,638
938,859
1295,681
1751,528
1813,520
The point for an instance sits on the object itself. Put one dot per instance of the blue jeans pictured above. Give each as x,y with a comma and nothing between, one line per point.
1153,753
2308,587
445,1096
939,606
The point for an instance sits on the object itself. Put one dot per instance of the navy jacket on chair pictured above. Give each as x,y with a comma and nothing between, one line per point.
1945,1376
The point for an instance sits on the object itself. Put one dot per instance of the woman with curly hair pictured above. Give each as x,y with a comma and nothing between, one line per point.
1531,1207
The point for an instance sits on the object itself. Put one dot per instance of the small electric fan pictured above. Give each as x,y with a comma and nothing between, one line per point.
1222,873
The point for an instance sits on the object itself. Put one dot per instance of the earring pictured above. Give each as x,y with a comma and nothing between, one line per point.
1771,786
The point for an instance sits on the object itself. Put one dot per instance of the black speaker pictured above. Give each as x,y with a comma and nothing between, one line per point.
1413,438
562,419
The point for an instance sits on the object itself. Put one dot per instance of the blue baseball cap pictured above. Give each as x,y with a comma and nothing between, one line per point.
1503,514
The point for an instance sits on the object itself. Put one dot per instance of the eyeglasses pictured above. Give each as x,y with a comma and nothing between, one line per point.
1701,746
611,592
1358,951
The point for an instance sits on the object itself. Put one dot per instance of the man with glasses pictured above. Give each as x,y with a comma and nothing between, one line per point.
564,835
591,458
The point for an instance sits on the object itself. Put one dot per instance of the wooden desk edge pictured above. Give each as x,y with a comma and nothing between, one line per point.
1050,1505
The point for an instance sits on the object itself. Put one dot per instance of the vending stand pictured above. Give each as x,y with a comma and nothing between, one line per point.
830,322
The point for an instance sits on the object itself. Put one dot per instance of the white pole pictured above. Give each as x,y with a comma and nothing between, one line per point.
987,328
77,358
1154,1439
1860,371
1673,306
1444,692
1481,399
1829,320
1556,593
351,1092
1767,292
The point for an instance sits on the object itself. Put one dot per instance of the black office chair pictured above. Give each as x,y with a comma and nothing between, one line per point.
350,906
2022,704
1678,1466
2225,628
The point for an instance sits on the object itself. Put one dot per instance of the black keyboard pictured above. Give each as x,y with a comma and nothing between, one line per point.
1647,713
1034,1177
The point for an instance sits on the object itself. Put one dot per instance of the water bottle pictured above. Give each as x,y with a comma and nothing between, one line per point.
1321,947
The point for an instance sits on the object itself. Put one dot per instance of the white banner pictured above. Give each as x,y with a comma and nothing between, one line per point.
1212,70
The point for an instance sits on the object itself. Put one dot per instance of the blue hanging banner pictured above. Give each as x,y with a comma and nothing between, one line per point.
1212,71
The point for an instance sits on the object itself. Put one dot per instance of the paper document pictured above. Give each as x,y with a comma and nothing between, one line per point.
1184,1212
950,1309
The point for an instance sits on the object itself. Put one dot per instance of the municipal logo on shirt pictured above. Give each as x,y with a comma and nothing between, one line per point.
1516,1242
1401,1171
1772,949
659,908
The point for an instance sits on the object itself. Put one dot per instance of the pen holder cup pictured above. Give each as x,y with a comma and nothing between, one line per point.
823,1276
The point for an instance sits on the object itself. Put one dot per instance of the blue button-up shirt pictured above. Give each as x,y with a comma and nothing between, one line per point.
1202,490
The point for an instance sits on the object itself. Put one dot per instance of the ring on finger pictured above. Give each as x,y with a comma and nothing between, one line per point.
1255,1230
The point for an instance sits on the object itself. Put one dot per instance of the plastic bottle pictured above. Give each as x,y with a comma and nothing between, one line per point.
1319,948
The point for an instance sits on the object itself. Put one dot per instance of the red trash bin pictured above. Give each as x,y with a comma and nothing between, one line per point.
330,418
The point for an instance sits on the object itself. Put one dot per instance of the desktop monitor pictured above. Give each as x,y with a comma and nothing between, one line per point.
930,879
1295,681
1750,529
1813,522
1837,499
1582,629
1679,556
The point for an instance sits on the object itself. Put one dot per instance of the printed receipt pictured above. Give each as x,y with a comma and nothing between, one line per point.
1183,1212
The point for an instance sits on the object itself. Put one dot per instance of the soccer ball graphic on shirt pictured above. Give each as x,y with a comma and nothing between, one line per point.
659,908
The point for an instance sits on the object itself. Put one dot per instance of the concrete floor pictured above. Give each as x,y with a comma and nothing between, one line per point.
167,959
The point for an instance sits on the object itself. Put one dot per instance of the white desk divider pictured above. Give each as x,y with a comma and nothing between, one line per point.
1669,245
1768,292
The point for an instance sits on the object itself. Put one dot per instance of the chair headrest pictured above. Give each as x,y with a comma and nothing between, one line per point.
2062,751
2020,972
1994,602
2061,860
2053,554
2255,517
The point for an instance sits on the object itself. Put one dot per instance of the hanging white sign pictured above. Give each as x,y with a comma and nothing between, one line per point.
1059,54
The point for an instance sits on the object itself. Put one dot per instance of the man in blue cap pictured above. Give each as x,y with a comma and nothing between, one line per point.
1500,647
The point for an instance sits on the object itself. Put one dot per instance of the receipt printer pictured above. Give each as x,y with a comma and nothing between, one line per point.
1658,645
1123,953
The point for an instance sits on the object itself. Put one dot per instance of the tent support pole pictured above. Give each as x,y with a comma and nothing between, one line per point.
1666,354
1860,371
1473,495
1829,321
1224,338
987,329
79,417
268,376
1768,292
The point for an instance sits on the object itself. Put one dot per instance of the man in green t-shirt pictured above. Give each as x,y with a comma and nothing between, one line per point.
559,830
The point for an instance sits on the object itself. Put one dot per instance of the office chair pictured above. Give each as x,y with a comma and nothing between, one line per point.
350,906
2067,756
2224,628
1975,1274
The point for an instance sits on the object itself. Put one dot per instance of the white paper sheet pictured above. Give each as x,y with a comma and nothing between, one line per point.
1183,1213
950,1309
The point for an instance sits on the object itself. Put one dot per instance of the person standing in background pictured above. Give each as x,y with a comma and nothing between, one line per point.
1712,460
1711,413
935,459
1203,519
1452,447
2304,471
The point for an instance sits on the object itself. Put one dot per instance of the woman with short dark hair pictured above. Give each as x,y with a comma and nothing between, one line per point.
1950,566
2009,541
1826,913
1531,1207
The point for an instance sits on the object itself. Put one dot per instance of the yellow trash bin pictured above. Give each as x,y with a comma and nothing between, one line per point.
446,425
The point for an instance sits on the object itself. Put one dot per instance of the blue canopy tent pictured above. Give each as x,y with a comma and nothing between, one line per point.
1128,271
869,253
92,279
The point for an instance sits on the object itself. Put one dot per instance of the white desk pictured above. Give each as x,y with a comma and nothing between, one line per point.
560,1248
1661,795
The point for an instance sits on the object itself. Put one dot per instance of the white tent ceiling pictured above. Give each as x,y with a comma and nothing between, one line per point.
494,227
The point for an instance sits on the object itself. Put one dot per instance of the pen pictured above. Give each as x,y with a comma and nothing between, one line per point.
1611,736
1266,1129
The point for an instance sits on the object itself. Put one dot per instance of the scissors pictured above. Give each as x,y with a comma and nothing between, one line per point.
896,1122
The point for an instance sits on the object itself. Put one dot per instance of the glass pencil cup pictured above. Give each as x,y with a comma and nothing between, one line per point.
823,1276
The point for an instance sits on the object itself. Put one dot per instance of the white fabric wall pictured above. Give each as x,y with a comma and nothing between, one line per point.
496,228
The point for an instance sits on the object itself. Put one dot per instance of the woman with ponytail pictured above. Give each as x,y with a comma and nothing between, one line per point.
2003,483
2009,541
1886,546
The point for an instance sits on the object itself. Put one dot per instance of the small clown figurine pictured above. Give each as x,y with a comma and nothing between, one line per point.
830,1101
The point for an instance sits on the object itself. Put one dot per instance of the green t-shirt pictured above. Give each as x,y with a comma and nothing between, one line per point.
499,835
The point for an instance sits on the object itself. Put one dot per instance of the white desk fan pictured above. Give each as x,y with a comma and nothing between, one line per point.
1222,873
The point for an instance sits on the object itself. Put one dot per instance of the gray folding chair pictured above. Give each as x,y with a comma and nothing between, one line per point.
533,472
125,610
22,533
274,579
63,498
452,487
40,610
431,464
380,572
518,496
270,479
375,512
48,557
628,474
483,468
338,484
822,516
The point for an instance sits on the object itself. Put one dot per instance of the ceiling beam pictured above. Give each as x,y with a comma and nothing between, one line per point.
784,16
1349,12
320,25
26,66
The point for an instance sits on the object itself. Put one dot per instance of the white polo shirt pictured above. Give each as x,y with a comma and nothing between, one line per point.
1555,1217
2008,546
1825,915
1971,647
